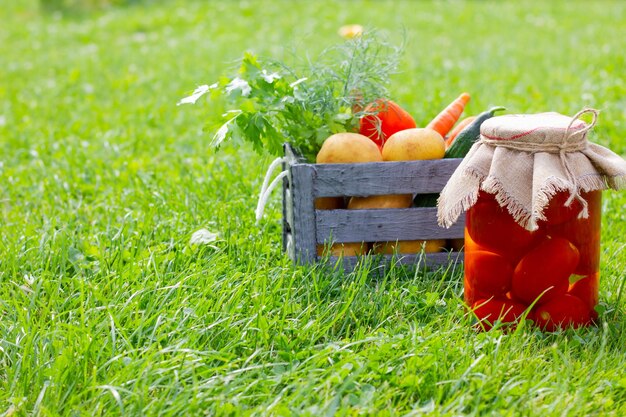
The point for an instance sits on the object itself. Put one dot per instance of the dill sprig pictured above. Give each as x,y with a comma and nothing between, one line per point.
306,103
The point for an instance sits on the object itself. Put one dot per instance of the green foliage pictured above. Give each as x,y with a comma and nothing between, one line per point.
83,5
107,309
304,105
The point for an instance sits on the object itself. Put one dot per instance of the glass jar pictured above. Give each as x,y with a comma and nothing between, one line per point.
553,270
531,187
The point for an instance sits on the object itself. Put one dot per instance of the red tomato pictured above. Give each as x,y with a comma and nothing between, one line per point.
492,227
587,290
470,245
390,119
556,212
563,311
471,294
489,310
547,267
589,257
487,272
583,233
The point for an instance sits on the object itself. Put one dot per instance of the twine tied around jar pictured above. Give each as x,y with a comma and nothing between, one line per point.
572,141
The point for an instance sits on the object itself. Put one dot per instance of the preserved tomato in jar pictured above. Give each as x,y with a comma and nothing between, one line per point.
531,189
505,262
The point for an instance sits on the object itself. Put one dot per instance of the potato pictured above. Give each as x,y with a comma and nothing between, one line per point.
343,148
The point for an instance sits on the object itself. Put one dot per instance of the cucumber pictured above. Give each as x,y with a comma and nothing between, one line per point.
468,136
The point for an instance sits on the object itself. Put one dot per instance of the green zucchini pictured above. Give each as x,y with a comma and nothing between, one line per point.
468,136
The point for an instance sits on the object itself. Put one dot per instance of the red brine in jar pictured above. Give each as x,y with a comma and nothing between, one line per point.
554,270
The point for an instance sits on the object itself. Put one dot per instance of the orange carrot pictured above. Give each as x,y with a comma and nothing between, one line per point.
449,116
457,129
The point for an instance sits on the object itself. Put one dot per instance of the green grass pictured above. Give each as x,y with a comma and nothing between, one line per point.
105,307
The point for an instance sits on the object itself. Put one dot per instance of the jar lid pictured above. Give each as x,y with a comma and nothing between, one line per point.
524,160
536,128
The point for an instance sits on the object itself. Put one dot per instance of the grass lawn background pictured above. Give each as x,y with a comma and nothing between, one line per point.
105,308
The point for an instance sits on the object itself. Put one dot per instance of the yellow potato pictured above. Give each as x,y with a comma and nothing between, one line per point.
343,148
329,203
405,247
414,144
344,249
381,202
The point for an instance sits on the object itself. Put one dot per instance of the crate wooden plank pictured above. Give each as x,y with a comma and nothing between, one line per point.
303,227
427,260
287,210
377,178
291,155
383,225
288,203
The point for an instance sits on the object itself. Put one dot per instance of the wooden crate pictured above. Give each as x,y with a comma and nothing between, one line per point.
304,227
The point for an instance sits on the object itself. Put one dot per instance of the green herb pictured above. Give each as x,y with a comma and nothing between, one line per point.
304,105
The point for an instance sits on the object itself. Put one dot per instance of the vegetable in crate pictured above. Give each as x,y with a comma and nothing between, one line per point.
343,249
414,145
406,247
405,145
347,148
468,136
444,121
409,145
382,119
387,201
458,129
344,148
305,103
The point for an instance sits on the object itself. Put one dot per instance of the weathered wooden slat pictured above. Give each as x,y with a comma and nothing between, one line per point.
427,260
382,225
379,178
287,206
288,203
303,226
292,156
